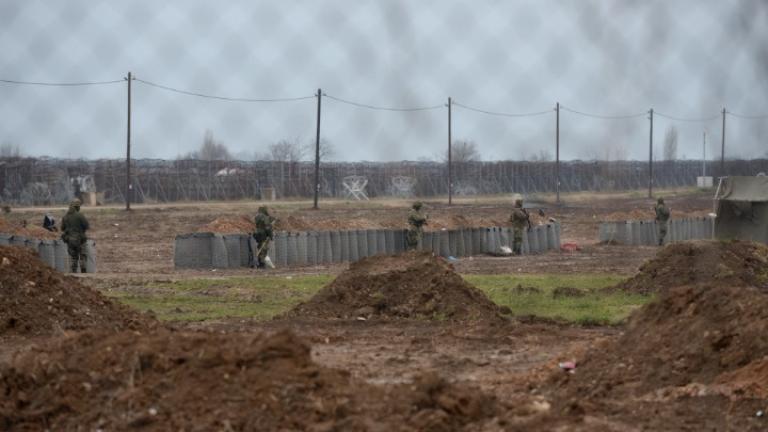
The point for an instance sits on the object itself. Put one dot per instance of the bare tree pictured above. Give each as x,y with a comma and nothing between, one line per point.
209,150
287,151
463,151
293,151
670,144
8,150
542,156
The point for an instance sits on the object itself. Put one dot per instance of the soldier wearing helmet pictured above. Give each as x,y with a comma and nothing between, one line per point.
416,222
520,221
662,219
263,235
74,227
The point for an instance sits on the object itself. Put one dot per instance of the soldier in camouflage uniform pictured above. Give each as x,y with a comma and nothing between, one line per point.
662,219
520,221
73,227
263,235
416,222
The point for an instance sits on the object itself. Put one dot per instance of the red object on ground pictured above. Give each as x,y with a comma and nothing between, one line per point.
569,247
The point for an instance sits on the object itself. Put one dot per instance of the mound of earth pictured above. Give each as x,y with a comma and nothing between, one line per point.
26,230
229,225
726,263
696,353
202,381
36,299
410,285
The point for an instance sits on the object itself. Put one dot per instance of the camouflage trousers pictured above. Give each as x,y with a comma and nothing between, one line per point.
77,256
262,248
662,227
413,238
517,241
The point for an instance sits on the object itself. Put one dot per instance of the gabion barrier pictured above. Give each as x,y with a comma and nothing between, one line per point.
645,233
210,250
53,253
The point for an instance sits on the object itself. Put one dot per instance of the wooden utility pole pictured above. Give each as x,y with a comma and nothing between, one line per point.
317,148
650,156
128,186
450,165
557,150
722,150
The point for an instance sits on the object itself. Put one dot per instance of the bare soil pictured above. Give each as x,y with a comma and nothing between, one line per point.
141,241
35,299
696,358
733,263
413,285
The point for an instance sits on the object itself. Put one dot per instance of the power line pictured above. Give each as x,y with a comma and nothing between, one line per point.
748,117
702,119
503,114
231,99
381,108
604,117
63,84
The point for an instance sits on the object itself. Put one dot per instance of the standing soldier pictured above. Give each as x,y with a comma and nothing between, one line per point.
520,220
263,235
73,228
416,222
662,218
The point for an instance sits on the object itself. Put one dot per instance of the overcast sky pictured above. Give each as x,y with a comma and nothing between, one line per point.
685,58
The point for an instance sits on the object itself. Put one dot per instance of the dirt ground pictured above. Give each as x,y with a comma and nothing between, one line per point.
141,241
517,363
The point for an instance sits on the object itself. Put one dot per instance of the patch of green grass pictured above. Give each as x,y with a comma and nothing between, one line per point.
594,307
206,299
199,299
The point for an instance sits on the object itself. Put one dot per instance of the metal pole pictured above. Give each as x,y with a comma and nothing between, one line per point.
317,148
128,151
450,167
557,150
704,156
650,156
722,151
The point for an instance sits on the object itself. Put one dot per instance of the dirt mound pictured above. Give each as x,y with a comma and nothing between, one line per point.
410,285
203,381
229,225
36,299
695,353
690,334
727,263
26,230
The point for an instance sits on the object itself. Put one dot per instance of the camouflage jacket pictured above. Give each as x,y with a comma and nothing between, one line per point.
73,227
264,226
662,213
519,218
416,219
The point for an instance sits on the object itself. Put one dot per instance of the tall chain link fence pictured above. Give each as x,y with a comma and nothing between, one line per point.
235,100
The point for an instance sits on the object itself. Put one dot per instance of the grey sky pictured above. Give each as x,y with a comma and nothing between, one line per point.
685,58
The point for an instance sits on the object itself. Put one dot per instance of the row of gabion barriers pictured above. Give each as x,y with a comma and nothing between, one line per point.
52,252
212,250
645,233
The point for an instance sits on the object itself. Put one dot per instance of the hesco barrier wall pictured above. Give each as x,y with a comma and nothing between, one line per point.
645,233
210,250
52,252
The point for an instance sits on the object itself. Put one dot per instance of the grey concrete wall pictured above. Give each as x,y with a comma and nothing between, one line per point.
645,233
208,250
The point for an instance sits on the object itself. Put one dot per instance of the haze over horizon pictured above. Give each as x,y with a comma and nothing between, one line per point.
686,59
